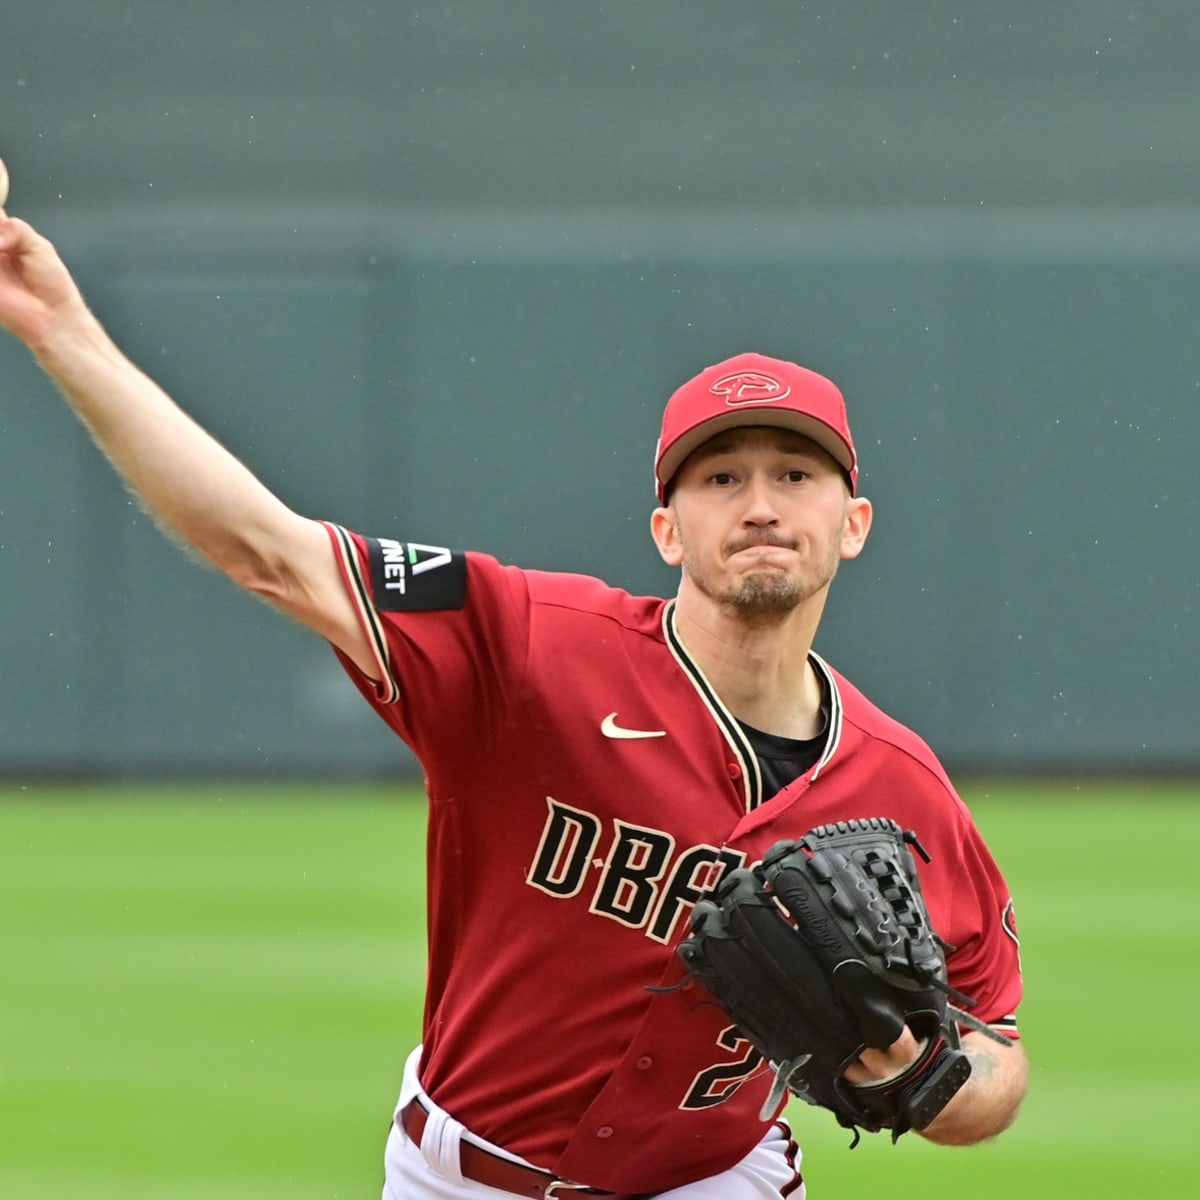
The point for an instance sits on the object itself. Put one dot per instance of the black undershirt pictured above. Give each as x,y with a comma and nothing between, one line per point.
782,760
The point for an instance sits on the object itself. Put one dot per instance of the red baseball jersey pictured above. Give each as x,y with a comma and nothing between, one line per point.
585,786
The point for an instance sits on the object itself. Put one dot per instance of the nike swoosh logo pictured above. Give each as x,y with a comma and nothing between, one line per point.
611,729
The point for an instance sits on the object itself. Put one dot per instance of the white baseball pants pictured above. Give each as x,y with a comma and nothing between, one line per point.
431,1171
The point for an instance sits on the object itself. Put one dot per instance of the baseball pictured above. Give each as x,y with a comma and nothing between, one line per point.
3,183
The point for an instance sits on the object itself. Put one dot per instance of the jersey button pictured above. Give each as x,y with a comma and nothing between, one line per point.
735,771
644,1063
605,1131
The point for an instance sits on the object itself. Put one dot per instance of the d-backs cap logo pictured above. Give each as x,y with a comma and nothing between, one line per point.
750,387
412,577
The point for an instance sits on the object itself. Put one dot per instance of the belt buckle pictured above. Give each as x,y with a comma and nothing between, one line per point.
564,1185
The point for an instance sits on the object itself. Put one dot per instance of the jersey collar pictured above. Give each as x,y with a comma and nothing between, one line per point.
747,761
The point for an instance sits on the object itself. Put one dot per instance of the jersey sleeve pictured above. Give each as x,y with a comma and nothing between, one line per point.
985,962
449,631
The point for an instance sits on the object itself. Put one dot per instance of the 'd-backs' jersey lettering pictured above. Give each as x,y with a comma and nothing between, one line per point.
639,882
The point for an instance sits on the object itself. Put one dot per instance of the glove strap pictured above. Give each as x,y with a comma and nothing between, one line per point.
913,1098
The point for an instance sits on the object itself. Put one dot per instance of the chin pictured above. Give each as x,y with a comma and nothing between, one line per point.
764,595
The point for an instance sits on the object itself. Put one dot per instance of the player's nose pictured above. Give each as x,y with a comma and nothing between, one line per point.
760,506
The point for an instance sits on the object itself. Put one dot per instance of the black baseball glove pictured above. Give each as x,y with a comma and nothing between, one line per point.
823,950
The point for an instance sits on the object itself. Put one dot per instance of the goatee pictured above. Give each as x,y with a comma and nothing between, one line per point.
763,598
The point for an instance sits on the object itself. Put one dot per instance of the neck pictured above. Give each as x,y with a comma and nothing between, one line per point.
762,673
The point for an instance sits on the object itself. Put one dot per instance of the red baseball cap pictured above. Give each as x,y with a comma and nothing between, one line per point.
752,389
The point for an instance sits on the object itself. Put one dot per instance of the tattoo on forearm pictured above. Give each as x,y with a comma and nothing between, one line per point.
983,1063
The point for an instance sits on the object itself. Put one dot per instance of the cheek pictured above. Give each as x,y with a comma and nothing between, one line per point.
685,548
697,540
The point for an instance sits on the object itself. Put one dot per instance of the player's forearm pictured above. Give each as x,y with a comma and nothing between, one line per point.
188,481
988,1102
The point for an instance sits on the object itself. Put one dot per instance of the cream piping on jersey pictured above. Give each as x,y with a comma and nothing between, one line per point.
747,760
834,733
360,595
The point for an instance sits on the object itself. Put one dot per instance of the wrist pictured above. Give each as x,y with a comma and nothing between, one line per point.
70,338
913,1096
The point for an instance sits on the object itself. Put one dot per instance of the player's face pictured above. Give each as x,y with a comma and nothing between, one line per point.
758,520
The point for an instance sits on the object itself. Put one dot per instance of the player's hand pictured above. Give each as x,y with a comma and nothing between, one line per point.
36,289
877,1066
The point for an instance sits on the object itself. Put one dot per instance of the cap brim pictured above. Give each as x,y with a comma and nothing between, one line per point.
817,431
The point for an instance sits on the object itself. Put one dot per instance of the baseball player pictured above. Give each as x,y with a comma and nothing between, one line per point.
595,761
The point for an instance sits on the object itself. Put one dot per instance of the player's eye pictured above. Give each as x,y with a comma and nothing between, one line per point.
721,478
798,475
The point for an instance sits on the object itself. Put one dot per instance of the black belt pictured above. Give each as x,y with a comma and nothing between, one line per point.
481,1166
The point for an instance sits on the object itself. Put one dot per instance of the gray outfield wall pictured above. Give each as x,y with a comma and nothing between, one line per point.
1024,390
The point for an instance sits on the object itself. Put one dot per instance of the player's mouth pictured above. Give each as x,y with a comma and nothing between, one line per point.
759,545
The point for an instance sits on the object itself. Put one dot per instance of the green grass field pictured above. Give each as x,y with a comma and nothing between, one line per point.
209,992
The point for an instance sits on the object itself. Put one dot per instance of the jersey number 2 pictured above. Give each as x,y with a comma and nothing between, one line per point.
714,1085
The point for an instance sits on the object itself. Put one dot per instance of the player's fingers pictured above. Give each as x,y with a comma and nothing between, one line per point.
20,243
32,261
19,237
35,286
877,1066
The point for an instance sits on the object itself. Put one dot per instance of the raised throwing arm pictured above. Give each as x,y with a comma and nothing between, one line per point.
192,485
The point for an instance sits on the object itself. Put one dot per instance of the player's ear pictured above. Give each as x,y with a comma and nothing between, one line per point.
858,525
664,529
